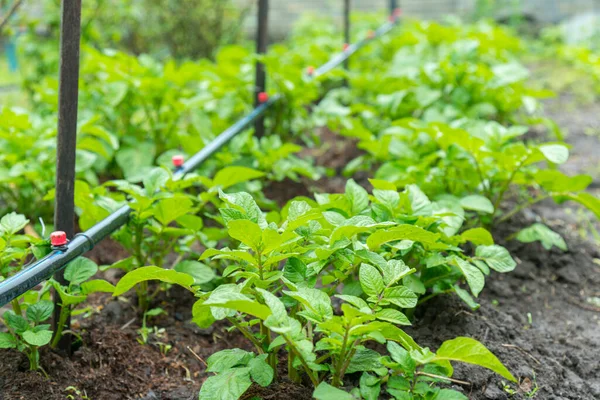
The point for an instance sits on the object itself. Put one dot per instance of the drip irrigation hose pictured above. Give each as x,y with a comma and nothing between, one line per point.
43,269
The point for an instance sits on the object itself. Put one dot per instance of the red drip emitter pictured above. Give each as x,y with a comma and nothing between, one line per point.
58,239
263,97
177,160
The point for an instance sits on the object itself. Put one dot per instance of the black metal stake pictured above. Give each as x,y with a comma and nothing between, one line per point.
64,211
393,6
346,29
261,48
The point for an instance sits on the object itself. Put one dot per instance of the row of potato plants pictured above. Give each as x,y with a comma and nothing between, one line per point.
321,277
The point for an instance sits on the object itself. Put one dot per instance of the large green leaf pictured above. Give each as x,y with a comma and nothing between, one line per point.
7,341
199,271
152,273
40,311
478,236
477,203
327,392
228,385
247,232
555,153
39,338
471,351
587,200
230,176
169,209
226,359
371,280
155,180
12,223
357,195
80,270
260,371
540,232
497,257
472,274
402,232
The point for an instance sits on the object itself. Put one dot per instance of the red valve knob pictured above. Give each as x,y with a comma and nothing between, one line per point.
345,47
310,70
58,238
397,12
371,34
177,160
263,97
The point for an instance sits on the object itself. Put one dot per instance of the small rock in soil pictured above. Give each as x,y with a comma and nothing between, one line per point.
494,393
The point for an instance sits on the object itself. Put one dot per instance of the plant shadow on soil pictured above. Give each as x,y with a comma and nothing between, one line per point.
535,319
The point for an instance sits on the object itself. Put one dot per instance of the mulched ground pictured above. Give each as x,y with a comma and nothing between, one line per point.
536,320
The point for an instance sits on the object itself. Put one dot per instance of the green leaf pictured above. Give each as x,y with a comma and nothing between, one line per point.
16,322
477,203
245,203
155,180
401,232
466,297
587,200
80,270
357,195
364,360
228,385
230,176
12,223
247,232
555,153
226,359
370,386
97,285
327,392
449,394
478,236
401,296
40,311
169,209
135,161
7,341
393,316
497,257
401,356
294,270
471,351
199,271
540,232
152,273
260,371
40,338
473,275
556,181
371,280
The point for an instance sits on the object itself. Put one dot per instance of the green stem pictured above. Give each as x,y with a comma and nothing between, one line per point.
508,182
17,307
65,311
337,377
516,210
247,334
33,358
309,372
432,295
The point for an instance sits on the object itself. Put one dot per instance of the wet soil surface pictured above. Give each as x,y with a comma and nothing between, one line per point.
537,319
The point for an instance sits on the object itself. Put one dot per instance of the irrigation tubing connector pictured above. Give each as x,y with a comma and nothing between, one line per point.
44,268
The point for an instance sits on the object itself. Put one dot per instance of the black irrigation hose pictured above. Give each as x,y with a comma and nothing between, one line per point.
43,269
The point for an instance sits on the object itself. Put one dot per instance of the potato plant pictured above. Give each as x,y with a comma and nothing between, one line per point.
325,277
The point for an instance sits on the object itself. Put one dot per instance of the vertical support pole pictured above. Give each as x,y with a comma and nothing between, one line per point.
261,48
64,213
393,6
346,28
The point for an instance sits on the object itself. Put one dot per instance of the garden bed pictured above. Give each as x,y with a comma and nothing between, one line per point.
536,320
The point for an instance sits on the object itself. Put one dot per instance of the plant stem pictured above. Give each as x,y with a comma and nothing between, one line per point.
247,334
516,210
17,307
337,377
432,295
443,378
313,379
65,311
33,358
